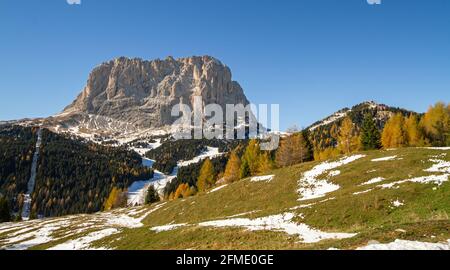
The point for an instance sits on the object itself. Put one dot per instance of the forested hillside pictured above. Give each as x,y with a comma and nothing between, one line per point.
371,126
76,177
16,153
324,133
73,175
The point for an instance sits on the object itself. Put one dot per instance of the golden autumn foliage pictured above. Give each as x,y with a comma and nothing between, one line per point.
250,159
413,134
117,198
184,191
348,139
326,153
206,178
265,163
292,150
393,135
232,168
436,124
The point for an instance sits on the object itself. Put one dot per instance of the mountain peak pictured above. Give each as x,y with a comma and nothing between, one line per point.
142,92
380,112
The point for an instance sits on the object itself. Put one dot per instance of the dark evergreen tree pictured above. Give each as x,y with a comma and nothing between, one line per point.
152,195
370,135
309,146
5,213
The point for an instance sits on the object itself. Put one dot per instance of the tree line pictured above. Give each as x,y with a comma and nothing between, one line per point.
414,130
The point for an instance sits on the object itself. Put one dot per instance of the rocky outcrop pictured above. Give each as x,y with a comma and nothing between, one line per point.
141,93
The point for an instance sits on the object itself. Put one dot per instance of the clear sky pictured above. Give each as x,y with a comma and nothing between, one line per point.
312,57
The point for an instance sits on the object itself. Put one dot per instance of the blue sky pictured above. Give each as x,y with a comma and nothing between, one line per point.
312,57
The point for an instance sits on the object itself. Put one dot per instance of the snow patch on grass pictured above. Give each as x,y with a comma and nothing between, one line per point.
168,227
385,158
397,203
407,245
334,173
282,223
36,235
439,166
309,205
267,178
431,179
85,241
373,181
38,232
217,188
362,192
243,214
438,148
312,188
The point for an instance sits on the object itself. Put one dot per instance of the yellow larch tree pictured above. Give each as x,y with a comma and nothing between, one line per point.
393,135
348,138
206,178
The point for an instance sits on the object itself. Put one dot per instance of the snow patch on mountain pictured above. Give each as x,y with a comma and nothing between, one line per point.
137,191
150,146
210,152
332,118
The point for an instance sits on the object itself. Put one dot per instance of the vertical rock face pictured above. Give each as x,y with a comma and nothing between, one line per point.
142,93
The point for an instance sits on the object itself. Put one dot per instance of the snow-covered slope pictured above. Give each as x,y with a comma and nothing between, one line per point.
138,190
210,152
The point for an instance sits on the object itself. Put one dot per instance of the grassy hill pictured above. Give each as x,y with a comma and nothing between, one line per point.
343,203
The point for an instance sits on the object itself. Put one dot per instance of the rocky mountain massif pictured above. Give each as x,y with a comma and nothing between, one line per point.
129,95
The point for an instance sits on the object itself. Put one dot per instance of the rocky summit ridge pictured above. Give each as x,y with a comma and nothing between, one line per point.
133,94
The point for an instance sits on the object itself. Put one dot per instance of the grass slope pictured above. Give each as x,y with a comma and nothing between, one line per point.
422,215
